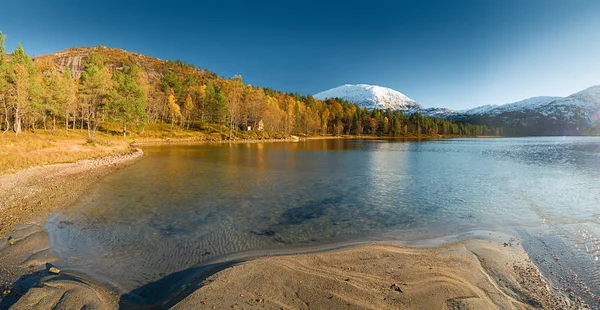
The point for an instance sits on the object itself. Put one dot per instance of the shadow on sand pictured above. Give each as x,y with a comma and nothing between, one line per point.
20,287
171,289
161,294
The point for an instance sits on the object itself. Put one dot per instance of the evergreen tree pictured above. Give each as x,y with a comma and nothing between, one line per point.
128,101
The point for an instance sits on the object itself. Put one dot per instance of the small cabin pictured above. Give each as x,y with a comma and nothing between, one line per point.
251,124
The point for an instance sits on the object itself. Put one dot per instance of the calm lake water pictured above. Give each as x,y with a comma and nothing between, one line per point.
182,207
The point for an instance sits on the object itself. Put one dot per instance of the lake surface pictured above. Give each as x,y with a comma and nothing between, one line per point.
186,206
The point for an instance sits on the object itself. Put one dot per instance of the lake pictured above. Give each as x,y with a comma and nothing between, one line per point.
150,227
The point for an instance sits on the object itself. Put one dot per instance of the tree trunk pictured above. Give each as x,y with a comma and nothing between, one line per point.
53,122
230,127
95,121
17,124
7,123
124,129
88,125
67,122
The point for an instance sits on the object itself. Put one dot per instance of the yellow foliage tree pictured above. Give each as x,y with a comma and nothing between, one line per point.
174,109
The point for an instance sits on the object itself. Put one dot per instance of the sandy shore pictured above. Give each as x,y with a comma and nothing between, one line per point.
472,274
468,275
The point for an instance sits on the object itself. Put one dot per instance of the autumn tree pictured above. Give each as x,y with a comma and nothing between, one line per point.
235,91
174,109
3,85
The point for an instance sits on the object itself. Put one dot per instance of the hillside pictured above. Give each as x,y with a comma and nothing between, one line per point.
577,114
114,91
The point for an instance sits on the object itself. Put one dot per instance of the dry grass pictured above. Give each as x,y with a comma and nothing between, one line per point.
47,147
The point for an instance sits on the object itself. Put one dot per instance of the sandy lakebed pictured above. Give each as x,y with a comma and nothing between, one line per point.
470,274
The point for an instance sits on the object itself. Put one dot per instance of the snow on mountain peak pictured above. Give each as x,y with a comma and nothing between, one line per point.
588,95
371,97
527,104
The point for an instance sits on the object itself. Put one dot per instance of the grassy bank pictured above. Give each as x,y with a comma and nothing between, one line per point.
47,147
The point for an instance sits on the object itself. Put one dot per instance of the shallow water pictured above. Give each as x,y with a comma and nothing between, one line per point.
182,207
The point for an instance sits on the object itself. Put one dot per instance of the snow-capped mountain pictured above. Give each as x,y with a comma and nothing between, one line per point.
527,104
438,112
371,97
576,114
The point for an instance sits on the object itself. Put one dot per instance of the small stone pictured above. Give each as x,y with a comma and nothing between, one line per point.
259,300
11,240
54,270
505,244
556,258
396,288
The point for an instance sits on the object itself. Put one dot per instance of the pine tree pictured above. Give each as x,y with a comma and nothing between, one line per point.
128,101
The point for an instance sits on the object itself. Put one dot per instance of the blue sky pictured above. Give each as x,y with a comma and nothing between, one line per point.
455,54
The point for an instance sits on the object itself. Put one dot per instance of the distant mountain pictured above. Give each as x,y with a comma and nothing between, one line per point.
577,114
371,97
527,104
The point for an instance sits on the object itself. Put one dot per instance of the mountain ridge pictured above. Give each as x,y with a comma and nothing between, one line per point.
576,114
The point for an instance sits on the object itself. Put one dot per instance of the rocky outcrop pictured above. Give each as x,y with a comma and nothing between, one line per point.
115,59
75,64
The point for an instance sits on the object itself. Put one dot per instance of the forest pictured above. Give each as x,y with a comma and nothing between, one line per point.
124,93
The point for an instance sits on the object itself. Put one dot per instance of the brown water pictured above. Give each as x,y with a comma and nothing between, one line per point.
183,207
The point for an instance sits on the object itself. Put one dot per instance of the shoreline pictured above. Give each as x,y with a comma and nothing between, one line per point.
297,139
29,196
36,192
469,274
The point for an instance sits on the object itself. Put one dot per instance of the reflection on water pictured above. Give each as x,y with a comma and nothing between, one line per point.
184,206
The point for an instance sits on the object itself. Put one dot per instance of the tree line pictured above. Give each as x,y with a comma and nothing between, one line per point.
39,94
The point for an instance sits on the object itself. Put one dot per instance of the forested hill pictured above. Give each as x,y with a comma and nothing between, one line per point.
96,89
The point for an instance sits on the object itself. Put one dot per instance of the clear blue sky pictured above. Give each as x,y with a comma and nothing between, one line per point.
455,54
